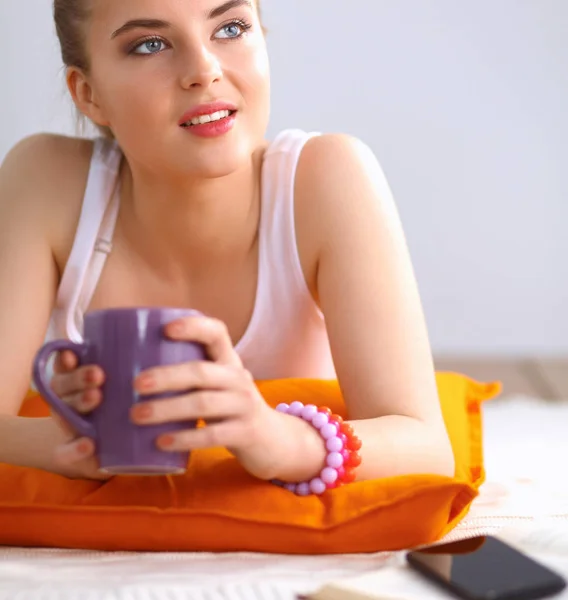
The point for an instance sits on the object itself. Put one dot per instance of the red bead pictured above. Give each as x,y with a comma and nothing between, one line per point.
349,476
354,460
337,419
347,429
354,444
346,454
325,410
340,474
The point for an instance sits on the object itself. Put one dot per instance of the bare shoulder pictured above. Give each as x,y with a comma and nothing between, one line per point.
333,148
47,163
337,164
340,188
43,180
339,174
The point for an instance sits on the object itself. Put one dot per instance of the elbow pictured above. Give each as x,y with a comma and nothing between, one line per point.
447,463
443,460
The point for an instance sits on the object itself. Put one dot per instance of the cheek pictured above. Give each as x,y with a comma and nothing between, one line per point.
260,66
253,75
136,96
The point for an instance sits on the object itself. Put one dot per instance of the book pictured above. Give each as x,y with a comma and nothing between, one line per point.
389,583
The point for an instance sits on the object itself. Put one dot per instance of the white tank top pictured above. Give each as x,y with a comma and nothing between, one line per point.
286,336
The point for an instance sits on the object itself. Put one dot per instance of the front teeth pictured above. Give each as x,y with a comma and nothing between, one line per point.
222,114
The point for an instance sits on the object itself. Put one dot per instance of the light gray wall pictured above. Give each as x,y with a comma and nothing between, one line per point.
465,105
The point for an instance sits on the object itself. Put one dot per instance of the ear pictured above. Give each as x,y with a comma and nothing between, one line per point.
84,97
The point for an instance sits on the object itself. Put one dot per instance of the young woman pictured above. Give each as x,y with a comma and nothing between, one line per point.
293,248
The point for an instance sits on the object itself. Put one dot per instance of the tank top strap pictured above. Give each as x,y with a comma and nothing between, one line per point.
279,226
92,238
282,291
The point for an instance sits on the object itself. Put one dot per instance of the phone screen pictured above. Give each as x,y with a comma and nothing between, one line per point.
486,569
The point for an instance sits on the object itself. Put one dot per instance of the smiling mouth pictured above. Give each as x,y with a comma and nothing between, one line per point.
212,118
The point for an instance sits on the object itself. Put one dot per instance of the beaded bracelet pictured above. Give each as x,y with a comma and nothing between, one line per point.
342,449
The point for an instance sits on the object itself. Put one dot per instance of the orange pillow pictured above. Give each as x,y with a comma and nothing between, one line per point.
217,506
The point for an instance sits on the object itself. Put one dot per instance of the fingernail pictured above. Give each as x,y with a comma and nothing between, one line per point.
176,328
142,412
90,402
145,382
90,376
166,441
83,448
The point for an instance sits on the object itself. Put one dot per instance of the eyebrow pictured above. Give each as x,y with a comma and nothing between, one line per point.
159,24
140,24
227,6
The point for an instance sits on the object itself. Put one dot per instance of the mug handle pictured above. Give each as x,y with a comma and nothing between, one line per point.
81,425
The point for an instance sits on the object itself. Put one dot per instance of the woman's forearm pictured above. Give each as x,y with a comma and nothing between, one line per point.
27,442
392,445
397,445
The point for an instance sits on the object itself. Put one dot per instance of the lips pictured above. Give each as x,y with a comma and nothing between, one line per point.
206,110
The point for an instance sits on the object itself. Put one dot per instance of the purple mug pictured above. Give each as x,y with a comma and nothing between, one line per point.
123,342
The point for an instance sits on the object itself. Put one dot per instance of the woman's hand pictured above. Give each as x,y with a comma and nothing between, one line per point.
80,388
227,399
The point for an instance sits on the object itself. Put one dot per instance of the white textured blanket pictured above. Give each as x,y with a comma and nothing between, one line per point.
525,501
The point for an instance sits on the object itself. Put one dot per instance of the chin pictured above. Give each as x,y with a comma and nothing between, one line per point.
191,157
214,169
216,158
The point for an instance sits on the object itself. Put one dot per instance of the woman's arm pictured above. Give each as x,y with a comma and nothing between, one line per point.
368,294
367,291
28,280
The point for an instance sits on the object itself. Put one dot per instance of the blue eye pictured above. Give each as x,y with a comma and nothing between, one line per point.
233,30
153,46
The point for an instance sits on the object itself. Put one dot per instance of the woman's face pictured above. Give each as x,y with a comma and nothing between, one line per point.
156,63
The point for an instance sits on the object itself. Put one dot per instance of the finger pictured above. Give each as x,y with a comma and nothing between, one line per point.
65,361
75,451
86,401
83,378
189,407
212,333
192,375
231,433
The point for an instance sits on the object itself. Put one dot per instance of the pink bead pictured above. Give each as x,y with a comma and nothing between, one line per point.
337,443
334,460
309,412
334,444
317,486
303,489
319,420
328,431
296,409
328,475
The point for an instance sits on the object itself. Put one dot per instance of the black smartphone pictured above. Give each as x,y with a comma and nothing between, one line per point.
485,568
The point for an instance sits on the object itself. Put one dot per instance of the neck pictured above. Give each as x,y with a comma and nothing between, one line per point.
177,222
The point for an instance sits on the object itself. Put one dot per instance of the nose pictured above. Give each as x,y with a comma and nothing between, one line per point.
200,68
